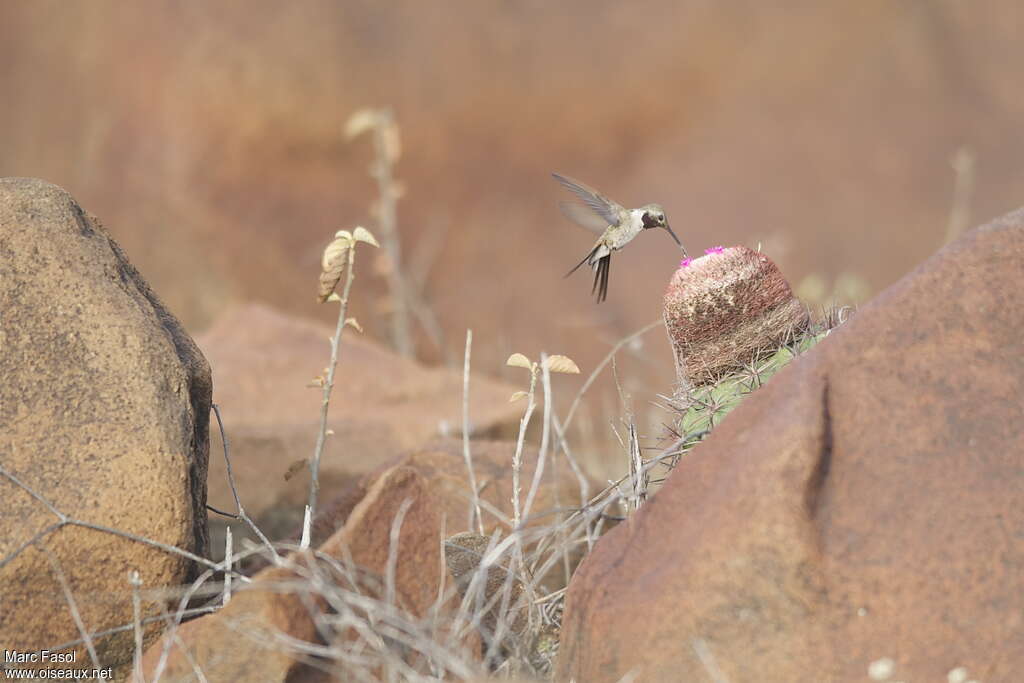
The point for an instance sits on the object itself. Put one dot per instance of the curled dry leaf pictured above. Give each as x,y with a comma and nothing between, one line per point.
518,360
359,122
352,322
517,396
333,264
335,250
562,364
361,234
329,280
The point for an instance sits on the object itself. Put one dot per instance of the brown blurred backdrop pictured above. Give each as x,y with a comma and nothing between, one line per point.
208,138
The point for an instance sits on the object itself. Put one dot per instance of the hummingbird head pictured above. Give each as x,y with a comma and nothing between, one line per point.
653,216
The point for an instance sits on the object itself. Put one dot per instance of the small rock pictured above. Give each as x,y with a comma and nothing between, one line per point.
258,635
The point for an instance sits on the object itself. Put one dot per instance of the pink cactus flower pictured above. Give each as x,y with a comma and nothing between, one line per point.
715,250
685,263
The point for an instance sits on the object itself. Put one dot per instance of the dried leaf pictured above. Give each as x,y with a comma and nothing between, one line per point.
361,234
294,469
329,280
517,396
335,250
359,122
352,322
334,297
562,364
518,360
333,264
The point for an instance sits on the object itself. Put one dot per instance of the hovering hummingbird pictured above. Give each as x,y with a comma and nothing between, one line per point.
617,225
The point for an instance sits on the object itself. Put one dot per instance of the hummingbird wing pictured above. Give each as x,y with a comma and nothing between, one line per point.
594,200
583,216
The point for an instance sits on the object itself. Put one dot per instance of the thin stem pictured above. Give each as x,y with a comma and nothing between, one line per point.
963,188
321,437
136,584
517,458
388,215
475,509
600,366
538,471
391,568
228,559
241,514
72,605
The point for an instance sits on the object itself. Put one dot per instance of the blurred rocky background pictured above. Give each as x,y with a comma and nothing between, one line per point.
209,138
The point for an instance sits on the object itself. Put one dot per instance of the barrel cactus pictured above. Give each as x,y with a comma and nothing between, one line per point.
732,320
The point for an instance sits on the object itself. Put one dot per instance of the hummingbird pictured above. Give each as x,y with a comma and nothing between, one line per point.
616,224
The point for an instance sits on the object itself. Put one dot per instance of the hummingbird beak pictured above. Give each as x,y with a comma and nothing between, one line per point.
673,235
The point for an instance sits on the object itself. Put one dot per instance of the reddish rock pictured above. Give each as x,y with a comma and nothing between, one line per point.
443,466
104,401
247,639
382,405
865,504
726,309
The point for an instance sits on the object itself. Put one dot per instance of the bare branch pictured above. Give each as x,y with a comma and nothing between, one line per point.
234,490
321,437
72,605
601,366
66,520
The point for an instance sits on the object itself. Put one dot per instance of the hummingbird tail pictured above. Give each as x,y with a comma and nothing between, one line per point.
585,259
601,278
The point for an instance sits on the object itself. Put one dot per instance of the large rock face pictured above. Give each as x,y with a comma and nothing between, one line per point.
103,412
862,510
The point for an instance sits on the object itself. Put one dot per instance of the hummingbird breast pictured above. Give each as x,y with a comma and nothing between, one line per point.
620,235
